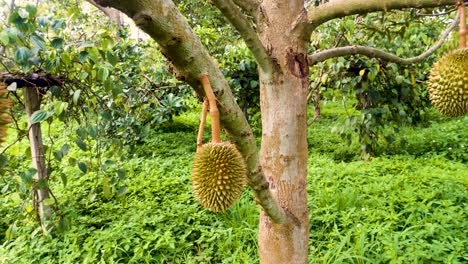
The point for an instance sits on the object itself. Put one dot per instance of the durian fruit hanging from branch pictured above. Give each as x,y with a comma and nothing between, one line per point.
448,80
448,84
219,172
4,117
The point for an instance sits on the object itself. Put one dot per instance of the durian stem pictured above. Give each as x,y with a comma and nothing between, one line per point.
463,31
214,112
202,124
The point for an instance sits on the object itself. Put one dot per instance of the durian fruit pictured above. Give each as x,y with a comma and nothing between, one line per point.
219,175
219,172
4,118
448,84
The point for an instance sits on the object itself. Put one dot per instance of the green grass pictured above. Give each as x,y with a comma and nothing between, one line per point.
408,206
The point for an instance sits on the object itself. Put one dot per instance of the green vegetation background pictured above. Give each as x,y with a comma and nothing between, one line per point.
409,206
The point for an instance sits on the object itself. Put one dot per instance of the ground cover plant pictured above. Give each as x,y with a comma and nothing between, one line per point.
407,207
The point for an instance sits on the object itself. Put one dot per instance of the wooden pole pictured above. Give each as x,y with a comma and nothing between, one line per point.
32,102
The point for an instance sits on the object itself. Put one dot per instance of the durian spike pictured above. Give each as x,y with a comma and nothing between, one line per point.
214,112
463,31
202,124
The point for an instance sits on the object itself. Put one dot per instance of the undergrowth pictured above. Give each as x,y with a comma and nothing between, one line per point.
407,206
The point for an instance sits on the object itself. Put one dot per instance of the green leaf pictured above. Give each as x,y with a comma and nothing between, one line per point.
22,54
82,167
76,96
58,155
253,84
59,107
82,132
121,190
3,161
64,149
122,174
92,132
57,42
4,38
399,79
32,10
81,144
27,176
83,56
39,116
103,73
38,41
23,13
113,59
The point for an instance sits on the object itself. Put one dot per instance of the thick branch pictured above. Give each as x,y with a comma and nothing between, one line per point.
241,23
342,8
377,53
165,24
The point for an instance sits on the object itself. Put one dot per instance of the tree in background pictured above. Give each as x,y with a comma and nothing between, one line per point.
277,32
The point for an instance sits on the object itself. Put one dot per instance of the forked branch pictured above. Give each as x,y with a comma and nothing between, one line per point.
241,22
377,53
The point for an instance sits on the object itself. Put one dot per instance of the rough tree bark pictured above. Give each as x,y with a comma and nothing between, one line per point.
279,43
283,102
32,102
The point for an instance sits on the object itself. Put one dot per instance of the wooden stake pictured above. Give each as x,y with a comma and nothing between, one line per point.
32,103
202,124
214,112
462,33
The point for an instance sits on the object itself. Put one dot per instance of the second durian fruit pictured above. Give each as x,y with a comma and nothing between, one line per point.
219,175
448,84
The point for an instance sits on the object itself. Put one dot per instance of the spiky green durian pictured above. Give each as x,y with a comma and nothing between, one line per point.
219,175
4,117
448,83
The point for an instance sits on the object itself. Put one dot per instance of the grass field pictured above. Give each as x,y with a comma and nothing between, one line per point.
408,206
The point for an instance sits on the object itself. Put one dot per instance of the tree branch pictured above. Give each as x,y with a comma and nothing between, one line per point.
166,25
240,22
341,8
111,13
377,53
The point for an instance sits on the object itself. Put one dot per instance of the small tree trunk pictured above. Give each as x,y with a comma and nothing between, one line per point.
32,102
316,103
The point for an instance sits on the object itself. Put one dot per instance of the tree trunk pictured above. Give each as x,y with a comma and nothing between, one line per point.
316,100
32,102
283,101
